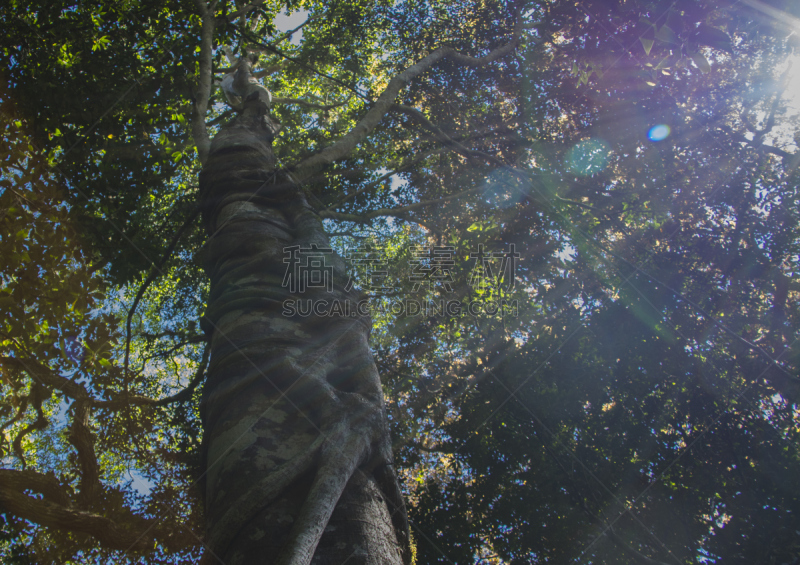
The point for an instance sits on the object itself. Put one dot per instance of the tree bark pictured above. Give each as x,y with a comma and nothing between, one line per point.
297,449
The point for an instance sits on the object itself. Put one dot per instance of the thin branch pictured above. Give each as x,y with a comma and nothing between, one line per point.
222,117
361,219
126,400
164,354
774,110
347,234
155,271
418,157
401,211
435,449
270,70
244,10
186,393
291,32
640,557
262,47
305,104
366,187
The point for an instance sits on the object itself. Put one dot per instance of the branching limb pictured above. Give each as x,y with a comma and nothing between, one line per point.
767,148
418,157
442,136
383,105
186,393
80,436
40,423
127,400
76,391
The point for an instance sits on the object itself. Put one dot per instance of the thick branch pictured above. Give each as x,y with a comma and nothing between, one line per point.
205,80
54,511
80,436
47,377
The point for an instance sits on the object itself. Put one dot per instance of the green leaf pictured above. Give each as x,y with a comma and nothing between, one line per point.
648,38
701,62
674,20
713,37
667,35
663,63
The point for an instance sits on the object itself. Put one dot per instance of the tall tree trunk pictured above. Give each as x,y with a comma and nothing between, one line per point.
297,448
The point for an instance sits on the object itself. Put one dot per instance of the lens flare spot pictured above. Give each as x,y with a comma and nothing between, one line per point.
659,132
588,157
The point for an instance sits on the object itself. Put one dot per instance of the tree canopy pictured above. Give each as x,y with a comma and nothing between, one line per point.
624,391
